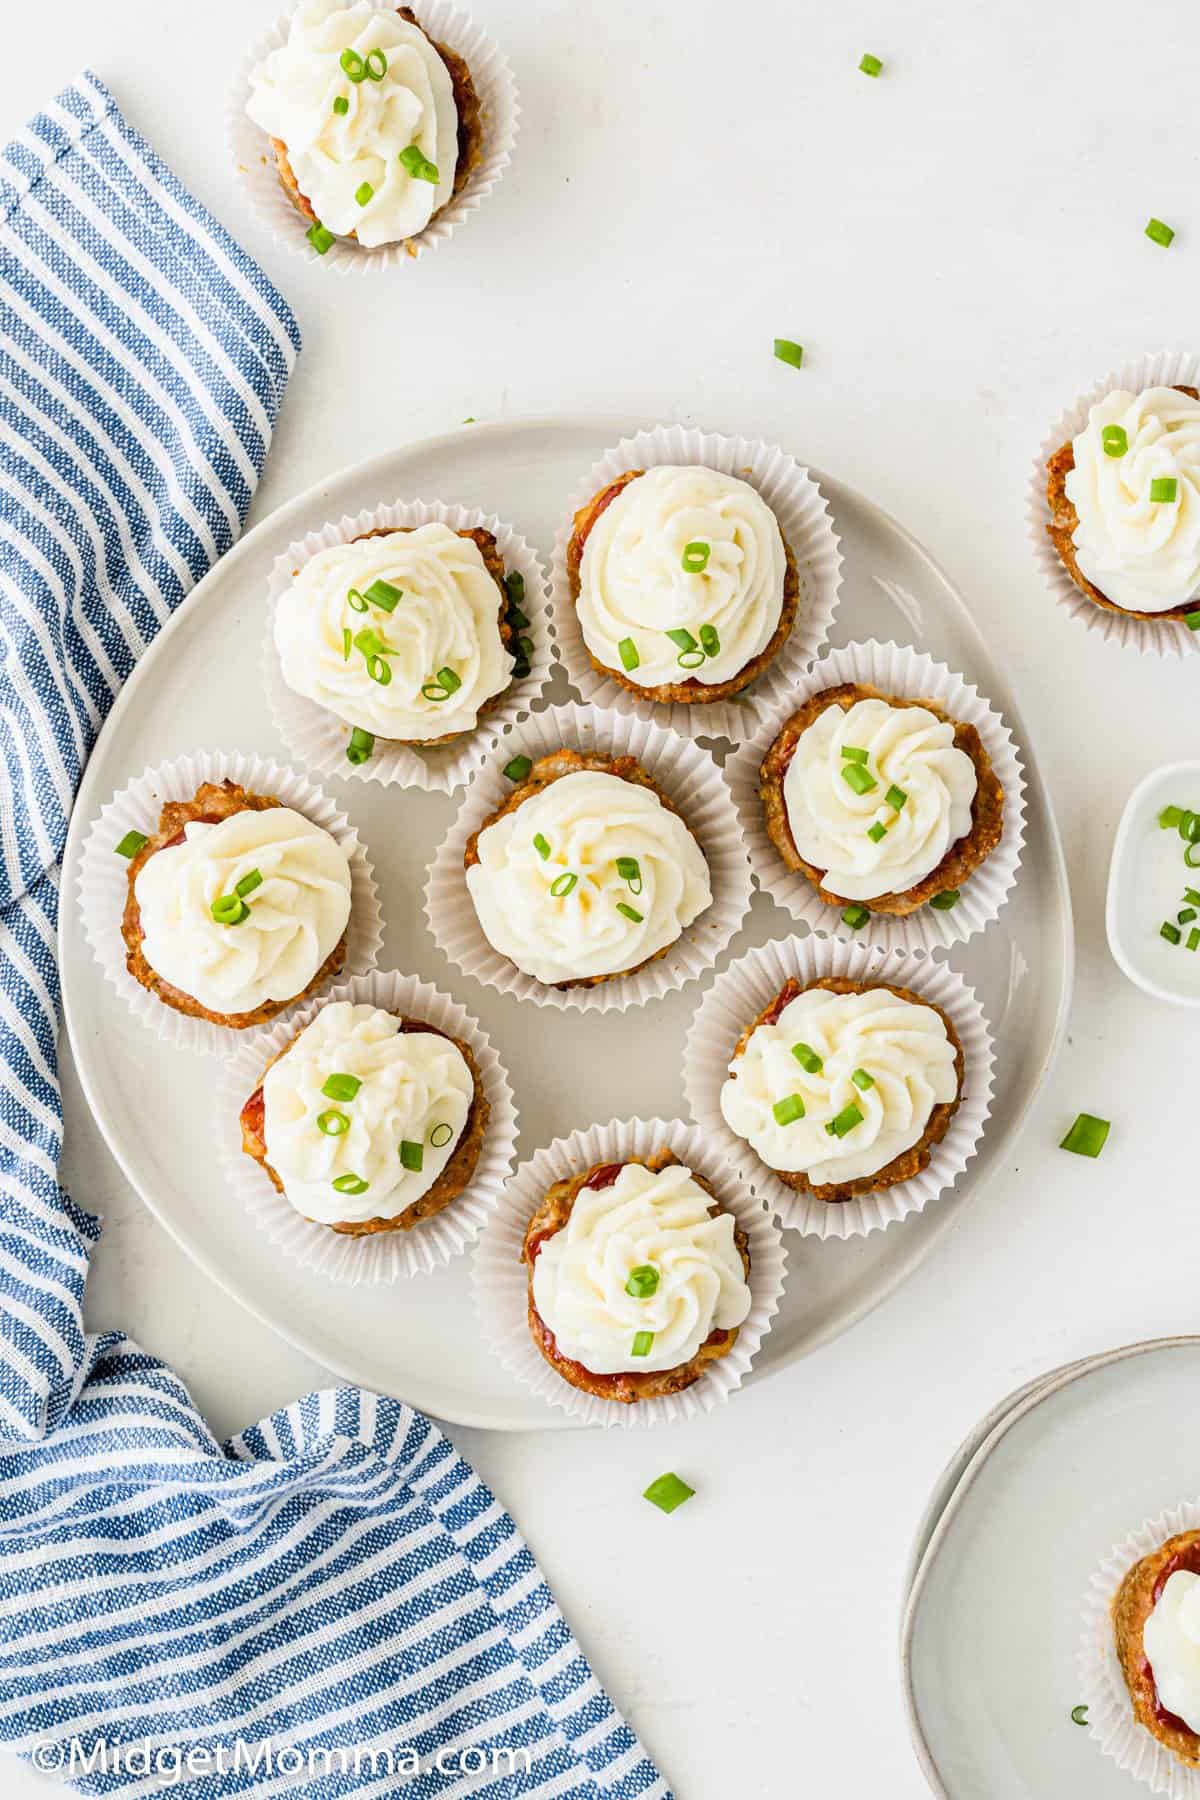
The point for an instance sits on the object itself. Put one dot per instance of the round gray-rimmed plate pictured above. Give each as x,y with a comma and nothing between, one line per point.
990,1634
199,686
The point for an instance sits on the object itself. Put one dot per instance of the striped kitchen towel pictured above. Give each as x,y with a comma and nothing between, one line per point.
332,1602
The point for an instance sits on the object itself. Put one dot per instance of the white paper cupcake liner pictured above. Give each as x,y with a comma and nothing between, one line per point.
1110,1710
318,738
894,669
385,1255
1153,637
254,156
103,878
684,772
747,987
804,520
498,1275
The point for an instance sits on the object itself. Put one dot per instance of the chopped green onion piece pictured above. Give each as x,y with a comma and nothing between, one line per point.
695,557
845,1121
870,65
333,1123
643,1281
131,843
642,1342
1169,817
1192,620
561,887
341,1087
1115,440
1164,488
351,1184
945,900
517,619
383,593
1161,234
412,1156
877,831
441,1134
248,883
229,910
1171,932
853,754
1079,1715
541,845
376,64
514,587
353,65
789,1109
347,642
787,351
630,912
525,650
1185,916
361,744
1191,856
683,639
668,1492
856,916
417,164
710,641
518,768
1191,896
629,869
895,797
808,1059
1087,1136
368,641
859,778
520,670
319,237
690,659
341,106
364,192
355,601
433,690
1189,827
379,669
1193,938
627,650
449,680
861,1079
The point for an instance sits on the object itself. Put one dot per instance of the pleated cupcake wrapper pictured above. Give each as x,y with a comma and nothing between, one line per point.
254,155
385,1255
1102,1686
683,772
804,519
318,737
747,987
894,669
499,1277
1153,637
103,878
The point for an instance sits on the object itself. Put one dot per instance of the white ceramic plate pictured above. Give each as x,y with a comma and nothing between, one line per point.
990,1638
199,685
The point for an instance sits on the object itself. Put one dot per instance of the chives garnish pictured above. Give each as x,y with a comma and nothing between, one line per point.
788,1110
418,166
861,1079
368,641
441,1135
1191,896
1164,488
695,557
364,192
859,778
351,1184
525,649
561,887
433,690
1193,938
361,744
845,1121
131,843
341,1087
449,680
412,1156
354,66
870,65
808,1059
248,883
630,912
690,659
1192,620
851,753
1079,1715
1087,1136
383,593
788,351
630,871
1191,856
1169,817
333,1123
627,650
376,64
1171,932
355,601
1189,827
341,106
877,831
945,900
1115,440
1160,233
642,1342
710,641
683,639
643,1281
1185,916
668,1492
347,642
518,768
379,669
514,587
229,909
517,619
895,797
541,845
319,237
856,916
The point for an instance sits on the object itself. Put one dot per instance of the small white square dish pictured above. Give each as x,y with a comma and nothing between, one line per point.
1148,888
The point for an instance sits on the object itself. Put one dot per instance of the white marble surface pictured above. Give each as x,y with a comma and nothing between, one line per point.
959,246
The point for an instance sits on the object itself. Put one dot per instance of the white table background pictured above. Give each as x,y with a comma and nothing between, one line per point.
959,247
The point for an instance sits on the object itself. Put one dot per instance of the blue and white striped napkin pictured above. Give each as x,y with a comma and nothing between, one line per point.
333,1595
